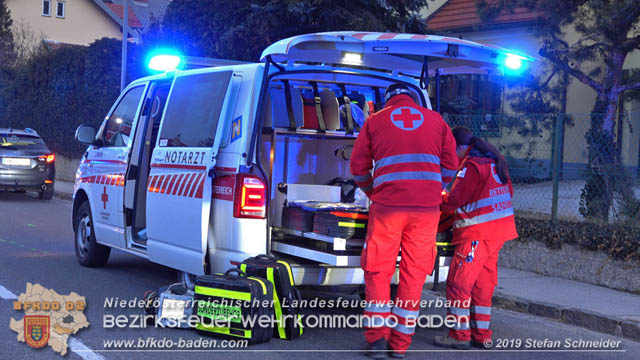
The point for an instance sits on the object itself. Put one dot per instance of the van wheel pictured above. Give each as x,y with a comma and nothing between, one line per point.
88,252
46,194
188,280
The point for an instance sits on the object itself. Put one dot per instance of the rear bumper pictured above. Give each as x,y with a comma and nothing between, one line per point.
325,275
26,179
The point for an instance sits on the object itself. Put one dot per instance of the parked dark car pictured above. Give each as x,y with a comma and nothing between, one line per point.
26,163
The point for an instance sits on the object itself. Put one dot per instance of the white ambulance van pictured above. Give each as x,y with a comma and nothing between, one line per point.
190,169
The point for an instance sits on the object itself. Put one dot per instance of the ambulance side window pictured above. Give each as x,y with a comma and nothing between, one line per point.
195,103
118,128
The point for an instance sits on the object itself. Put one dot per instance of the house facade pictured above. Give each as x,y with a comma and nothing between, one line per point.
77,22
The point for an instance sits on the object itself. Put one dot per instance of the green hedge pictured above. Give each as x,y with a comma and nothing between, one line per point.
58,90
621,242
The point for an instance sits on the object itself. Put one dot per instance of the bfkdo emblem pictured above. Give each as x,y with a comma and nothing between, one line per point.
36,330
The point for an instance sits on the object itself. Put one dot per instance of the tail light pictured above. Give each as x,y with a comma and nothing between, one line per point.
250,197
47,158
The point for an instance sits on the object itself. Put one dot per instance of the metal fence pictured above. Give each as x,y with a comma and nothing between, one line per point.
557,173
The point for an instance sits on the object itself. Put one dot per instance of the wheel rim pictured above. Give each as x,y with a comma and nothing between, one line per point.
83,235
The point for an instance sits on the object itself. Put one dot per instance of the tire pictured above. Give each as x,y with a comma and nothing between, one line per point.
88,252
46,194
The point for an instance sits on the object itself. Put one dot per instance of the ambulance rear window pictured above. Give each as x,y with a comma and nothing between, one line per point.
192,114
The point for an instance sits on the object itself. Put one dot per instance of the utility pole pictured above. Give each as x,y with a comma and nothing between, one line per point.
125,35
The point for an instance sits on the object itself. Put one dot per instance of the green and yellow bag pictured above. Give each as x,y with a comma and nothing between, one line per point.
286,297
230,306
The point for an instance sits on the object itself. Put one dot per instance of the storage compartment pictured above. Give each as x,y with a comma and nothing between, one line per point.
348,225
300,162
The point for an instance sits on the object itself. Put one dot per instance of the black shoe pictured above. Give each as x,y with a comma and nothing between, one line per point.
377,349
395,355
449,342
484,344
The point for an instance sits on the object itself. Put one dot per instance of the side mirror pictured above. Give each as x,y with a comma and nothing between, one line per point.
86,134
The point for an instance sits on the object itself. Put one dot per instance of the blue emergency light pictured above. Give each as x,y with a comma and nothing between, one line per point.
164,62
513,61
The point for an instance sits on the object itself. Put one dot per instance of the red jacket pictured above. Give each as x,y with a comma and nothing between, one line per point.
414,153
482,203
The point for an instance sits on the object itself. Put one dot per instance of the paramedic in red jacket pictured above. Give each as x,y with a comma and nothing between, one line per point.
481,198
415,157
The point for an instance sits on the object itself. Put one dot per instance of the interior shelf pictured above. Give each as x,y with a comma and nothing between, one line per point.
339,244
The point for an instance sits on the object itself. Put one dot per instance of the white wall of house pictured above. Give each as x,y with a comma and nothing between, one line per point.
83,21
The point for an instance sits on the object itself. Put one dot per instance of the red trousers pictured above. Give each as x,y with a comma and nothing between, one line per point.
473,275
391,229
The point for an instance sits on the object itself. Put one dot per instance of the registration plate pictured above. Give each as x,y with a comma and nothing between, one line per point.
16,161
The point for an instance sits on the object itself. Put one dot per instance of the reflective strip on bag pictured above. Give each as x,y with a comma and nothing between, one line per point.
230,294
407,175
264,286
496,215
351,225
276,305
226,331
286,264
407,158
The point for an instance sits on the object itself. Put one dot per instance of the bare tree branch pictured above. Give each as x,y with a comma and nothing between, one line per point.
578,74
630,86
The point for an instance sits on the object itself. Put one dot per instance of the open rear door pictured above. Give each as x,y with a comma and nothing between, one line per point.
401,53
179,191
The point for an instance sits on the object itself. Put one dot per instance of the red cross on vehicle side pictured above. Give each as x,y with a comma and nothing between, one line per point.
105,198
407,118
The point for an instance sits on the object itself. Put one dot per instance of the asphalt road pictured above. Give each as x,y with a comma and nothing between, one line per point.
36,245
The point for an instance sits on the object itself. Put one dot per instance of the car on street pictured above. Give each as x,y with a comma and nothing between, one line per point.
26,163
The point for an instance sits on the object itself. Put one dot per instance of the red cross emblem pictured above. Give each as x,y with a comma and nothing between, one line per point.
407,118
105,198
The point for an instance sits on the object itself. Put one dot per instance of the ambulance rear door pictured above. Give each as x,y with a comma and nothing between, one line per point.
180,180
397,53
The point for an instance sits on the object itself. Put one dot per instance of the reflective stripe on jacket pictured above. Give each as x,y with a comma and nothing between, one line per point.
482,203
414,154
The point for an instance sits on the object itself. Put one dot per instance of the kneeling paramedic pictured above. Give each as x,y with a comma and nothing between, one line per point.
481,198
414,152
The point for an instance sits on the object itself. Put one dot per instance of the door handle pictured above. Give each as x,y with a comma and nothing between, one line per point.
122,156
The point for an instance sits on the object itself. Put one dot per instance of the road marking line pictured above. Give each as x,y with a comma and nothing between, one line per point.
6,294
75,345
83,350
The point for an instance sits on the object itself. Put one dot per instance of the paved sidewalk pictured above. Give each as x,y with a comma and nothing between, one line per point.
63,190
577,303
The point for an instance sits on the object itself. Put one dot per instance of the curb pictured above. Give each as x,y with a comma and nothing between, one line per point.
578,317
63,195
